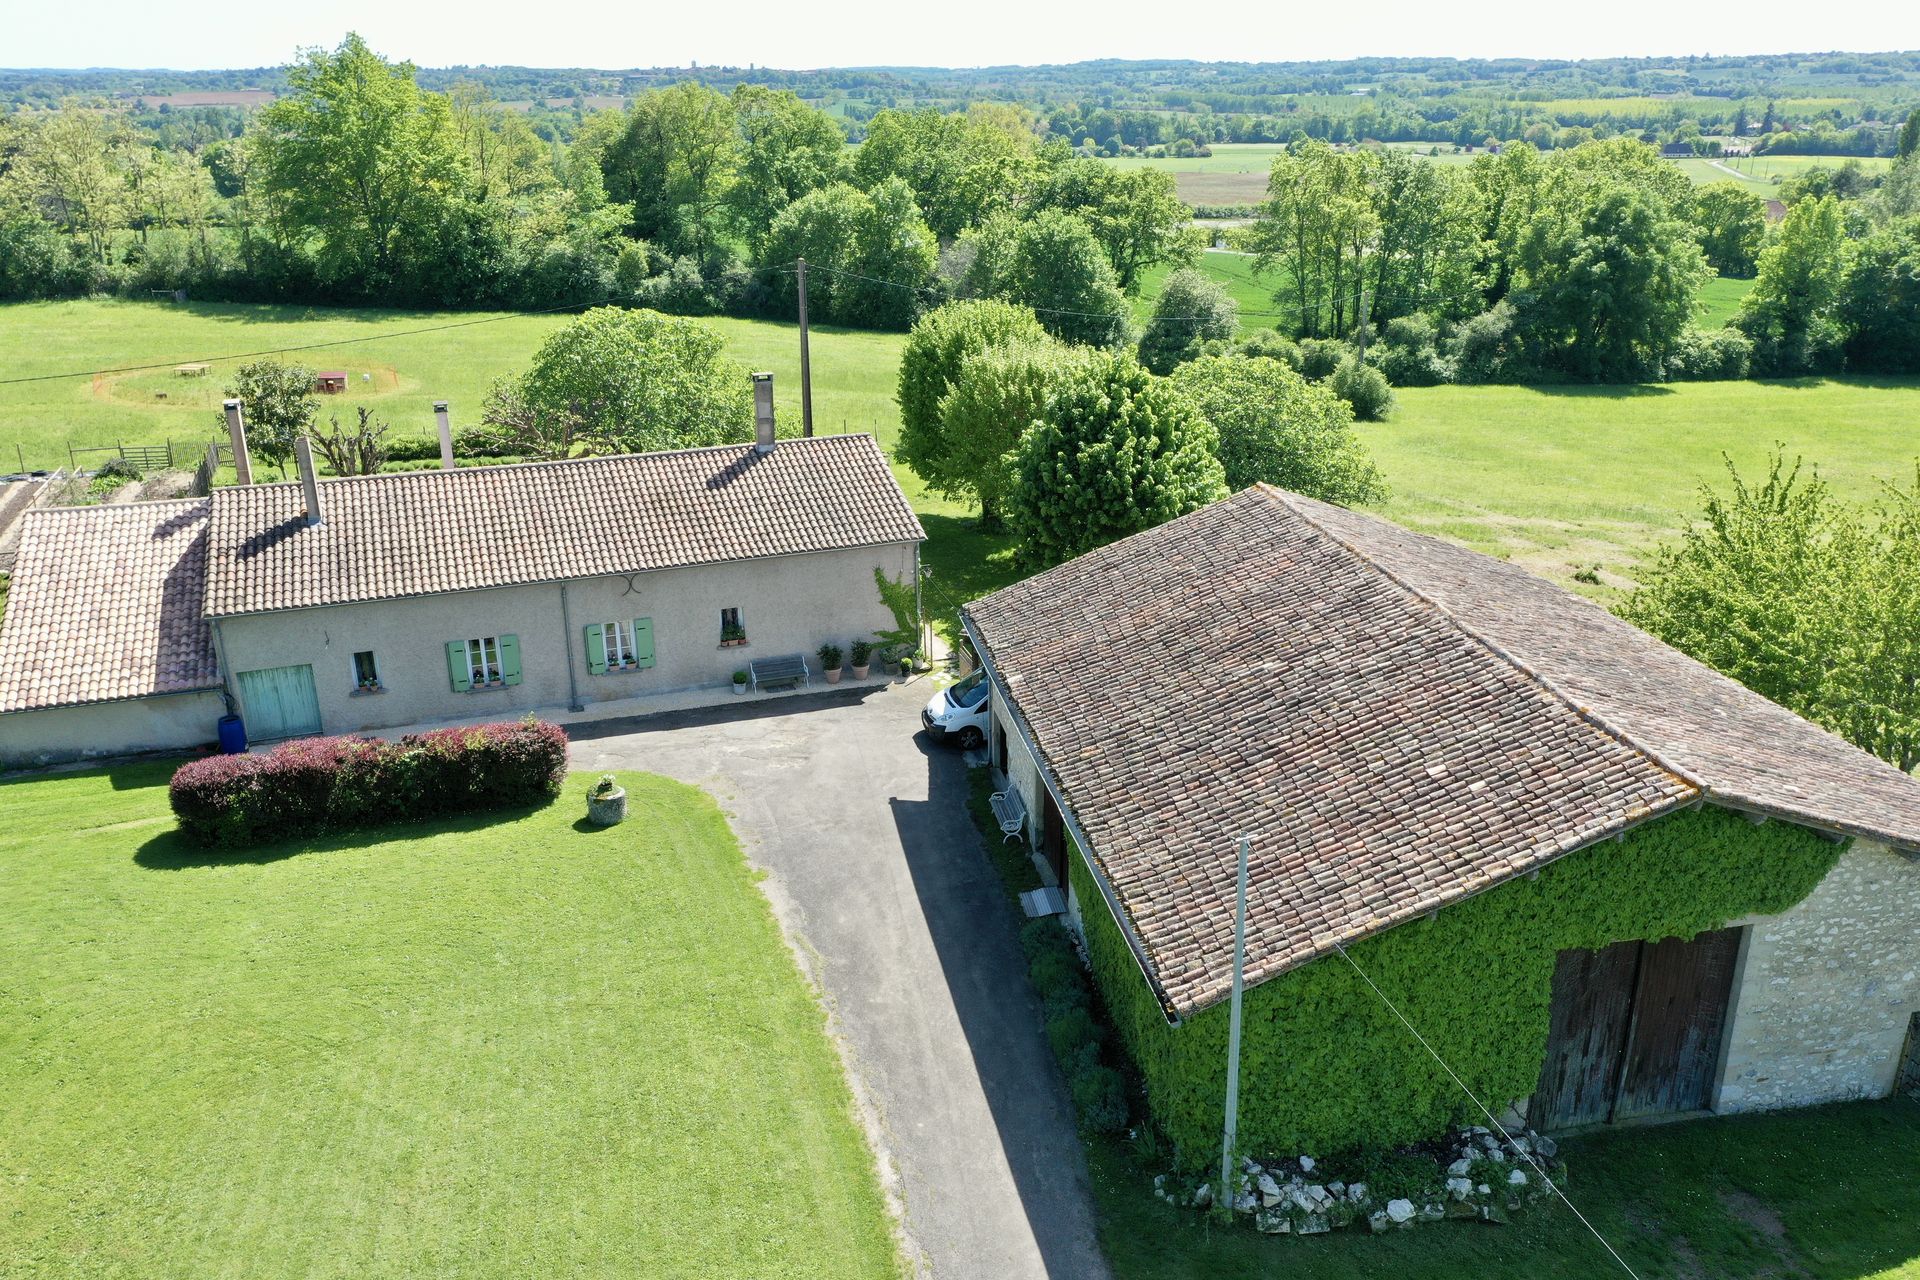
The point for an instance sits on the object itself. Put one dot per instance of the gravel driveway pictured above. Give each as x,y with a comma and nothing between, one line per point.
878,877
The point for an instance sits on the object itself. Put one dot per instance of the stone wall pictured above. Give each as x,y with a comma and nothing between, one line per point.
1826,991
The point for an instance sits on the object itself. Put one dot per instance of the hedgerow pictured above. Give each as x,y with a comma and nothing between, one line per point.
312,785
1326,1067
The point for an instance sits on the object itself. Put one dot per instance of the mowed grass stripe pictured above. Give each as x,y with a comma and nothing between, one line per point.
461,1048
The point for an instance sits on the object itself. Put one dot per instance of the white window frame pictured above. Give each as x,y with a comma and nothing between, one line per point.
617,637
483,653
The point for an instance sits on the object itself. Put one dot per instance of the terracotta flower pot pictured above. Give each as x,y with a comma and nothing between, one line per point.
860,672
833,675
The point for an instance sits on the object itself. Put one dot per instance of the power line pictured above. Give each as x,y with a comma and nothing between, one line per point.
1518,1150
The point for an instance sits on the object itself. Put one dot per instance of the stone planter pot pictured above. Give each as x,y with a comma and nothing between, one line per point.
740,687
833,676
860,672
606,809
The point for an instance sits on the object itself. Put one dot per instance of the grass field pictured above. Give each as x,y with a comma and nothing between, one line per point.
1562,478
1818,1195
1720,301
1234,272
482,1047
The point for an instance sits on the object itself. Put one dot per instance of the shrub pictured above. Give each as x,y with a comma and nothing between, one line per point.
1485,348
1365,388
118,469
1409,354
1043,934
1275,426
1319,357
1267,343
1100,1098
1711,355
1070,1033
313,785
412,449
1053,971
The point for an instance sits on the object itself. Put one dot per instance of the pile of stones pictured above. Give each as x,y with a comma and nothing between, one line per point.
1475,1176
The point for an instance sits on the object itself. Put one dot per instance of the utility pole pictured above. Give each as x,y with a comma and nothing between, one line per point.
806,360
1225,1198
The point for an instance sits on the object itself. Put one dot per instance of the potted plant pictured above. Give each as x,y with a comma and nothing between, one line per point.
862,655
732,636
830,662
607,802
739,682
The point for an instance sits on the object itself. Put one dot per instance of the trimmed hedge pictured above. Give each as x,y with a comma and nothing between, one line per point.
1326,1068
312,785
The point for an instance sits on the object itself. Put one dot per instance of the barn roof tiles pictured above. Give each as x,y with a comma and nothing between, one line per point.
418,533
105,605
1395,721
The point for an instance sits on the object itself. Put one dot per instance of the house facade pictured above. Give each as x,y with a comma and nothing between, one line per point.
363,603
1610,882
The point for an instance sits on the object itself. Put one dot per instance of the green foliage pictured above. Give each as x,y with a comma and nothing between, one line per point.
939,343
1326,1067
277,404
1135,214
619,381
1732,225
1790,312
903,603
861,241
786,149
1051,262
1711,355
1802,599
1100,1098
1273,425
1364,388
1192,310
999,393
1409,353
1116,451
1881,299
673,163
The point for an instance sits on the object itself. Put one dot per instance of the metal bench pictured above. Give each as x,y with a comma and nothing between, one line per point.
1010,811
787,669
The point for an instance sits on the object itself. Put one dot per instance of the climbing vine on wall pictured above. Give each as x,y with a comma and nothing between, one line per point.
1326,1067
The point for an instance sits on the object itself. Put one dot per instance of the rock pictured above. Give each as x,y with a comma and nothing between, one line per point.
1249,1165
1459,1188
1269,1190
1458,1169
1306,1164
1547,1147
1319,1195
1522,1145
1357,1192
1315,1224
1484,1189
1378,1221
1339,1189
1272,1221
1432,1212
1299,1199
1400,1211
1518,1178
1497,1155
1203,1195
1494,1213
1243,1202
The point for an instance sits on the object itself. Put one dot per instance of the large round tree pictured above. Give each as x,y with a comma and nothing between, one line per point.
1273,425
940,342
999,393
619,381
1115,451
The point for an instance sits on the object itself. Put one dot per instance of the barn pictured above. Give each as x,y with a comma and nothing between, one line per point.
1605,882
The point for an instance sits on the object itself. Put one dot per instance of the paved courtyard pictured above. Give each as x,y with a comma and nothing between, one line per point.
877,875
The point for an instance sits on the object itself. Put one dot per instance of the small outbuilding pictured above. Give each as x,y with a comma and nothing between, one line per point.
1603,880
331,383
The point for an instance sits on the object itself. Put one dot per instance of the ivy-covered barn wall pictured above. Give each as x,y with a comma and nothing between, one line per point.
1326,1067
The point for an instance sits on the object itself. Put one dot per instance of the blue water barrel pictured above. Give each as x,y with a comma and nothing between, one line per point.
233,735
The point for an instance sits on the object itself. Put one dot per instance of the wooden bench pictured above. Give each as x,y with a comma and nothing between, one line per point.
1010,811
787,669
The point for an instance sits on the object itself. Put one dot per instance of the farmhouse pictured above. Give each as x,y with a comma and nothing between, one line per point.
1605,881
334,606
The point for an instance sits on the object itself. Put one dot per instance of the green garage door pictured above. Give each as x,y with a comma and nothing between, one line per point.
280,703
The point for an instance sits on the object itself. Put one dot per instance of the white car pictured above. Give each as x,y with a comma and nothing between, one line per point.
960,712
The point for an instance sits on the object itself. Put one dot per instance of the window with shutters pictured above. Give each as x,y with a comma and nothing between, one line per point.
483,660
623,645
619,636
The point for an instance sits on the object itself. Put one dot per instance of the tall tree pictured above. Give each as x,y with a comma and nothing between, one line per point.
1191,311
674,161
787,149
1052,263
998,395
1732,225
1790,312
1134,213
357,156
1880,300
1114,451
1315,229
940,342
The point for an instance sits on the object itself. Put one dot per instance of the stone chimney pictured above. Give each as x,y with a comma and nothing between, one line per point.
237,434
309,480
446,434
763,438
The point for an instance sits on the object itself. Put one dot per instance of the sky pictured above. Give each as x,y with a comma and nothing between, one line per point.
820,33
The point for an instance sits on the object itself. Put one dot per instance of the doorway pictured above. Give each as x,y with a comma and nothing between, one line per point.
1053,838
1635,1030
279,702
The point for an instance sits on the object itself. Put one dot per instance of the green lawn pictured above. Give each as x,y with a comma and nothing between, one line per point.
1826,1195
498,1046
1233,272
1720,301
1561,478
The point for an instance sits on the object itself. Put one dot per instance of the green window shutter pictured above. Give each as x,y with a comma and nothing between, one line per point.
596,649
643,641
510,659
457,669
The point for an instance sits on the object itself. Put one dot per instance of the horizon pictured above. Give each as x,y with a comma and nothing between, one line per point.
229,35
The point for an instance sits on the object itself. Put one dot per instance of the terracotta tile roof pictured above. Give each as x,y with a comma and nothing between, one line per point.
106,605
1396,722
424,532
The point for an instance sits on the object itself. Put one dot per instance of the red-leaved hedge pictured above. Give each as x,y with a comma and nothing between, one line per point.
312,785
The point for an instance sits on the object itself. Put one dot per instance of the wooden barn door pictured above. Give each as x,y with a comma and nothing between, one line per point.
1635,1030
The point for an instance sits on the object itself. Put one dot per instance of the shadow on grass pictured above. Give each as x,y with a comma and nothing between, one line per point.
1601,391
964,561
173,851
